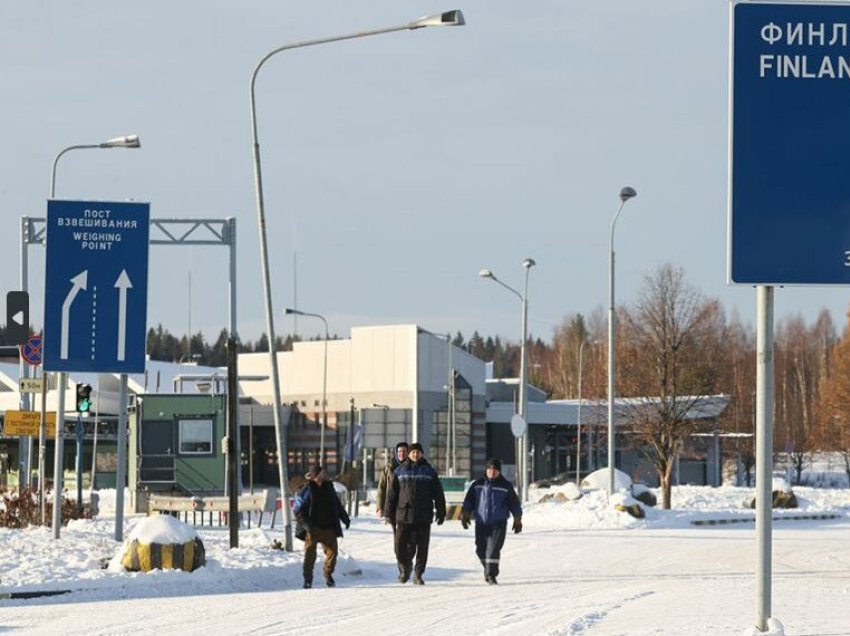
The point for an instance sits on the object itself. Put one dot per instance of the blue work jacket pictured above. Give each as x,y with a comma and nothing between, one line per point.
492,500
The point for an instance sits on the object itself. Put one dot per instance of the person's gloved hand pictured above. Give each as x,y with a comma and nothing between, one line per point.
465,520
440,520
348,524
517,528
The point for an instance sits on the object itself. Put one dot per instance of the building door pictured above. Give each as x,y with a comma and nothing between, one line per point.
157,452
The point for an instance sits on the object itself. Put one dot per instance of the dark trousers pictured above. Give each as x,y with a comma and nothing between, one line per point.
411,540
488,545
327,537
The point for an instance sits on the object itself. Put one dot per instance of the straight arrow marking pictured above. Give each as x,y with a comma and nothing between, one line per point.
79,282
123,284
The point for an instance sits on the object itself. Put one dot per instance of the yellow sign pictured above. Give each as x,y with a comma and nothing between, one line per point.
30,385
27,423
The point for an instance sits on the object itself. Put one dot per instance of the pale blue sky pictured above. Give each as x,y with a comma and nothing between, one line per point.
404,163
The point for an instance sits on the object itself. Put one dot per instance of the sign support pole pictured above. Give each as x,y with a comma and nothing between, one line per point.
121,469
42,449
58,456
764,453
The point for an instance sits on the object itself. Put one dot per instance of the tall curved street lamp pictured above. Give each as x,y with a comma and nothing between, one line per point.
528,263
625,194
448,18
129,141
296,312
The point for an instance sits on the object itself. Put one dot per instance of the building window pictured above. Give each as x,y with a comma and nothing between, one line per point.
196,437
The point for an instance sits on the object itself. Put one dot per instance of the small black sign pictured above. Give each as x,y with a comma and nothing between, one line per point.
18,316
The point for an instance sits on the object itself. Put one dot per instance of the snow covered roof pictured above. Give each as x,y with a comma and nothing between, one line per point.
595,411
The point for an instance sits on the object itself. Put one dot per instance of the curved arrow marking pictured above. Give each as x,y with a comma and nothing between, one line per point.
79,282
123,284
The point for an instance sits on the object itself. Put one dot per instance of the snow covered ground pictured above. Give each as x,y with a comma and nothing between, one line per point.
579,567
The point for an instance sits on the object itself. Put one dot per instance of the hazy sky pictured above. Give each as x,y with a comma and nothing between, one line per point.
398,165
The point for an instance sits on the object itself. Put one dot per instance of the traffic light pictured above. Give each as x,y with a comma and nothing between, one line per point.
83,398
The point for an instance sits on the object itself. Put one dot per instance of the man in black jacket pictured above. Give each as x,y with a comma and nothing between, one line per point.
319,511
413,498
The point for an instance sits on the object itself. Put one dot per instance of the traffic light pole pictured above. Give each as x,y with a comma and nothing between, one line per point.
79,432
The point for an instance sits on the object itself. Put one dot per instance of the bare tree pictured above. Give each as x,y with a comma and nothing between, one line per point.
835,402
739,379
668,358
802,362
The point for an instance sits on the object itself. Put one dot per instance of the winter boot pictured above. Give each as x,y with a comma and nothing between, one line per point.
491,580
329,580
403,575
417,579
308,583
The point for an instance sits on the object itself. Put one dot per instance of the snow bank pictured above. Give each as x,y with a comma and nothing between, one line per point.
598,479
162,529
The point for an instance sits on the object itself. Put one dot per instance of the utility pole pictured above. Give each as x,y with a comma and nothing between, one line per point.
230,445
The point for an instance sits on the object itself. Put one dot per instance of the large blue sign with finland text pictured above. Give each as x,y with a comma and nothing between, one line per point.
789,200
96,284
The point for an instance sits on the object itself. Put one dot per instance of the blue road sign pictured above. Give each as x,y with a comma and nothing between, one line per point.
96,286
789,198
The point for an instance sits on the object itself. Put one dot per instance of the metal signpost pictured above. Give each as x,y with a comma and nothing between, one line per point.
95,308
788,199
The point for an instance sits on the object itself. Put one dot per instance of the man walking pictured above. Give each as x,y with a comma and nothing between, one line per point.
490,499
387,477
384,482
414,496
319,511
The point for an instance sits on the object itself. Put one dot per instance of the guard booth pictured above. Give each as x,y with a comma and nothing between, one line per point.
175,446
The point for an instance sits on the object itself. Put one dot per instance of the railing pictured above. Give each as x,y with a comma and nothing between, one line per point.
212,508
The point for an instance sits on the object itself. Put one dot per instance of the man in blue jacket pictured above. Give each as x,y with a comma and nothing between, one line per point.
319,511
490,499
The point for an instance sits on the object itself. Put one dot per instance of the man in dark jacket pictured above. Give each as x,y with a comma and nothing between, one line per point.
319,511
490,499
413,497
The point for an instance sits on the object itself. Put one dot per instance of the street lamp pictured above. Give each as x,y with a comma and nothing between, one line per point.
528,263
130,141
625,194
449,18
295,312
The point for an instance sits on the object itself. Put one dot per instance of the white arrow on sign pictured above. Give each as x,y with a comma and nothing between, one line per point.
123,284
79,282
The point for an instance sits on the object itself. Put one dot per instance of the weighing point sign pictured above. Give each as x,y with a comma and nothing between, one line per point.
95,307
789,199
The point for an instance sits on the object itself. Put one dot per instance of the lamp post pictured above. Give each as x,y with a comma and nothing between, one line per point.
528,263
296,312
449,18
130,141
625,194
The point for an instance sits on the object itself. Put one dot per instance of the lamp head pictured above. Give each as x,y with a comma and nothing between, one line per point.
528,263
486,273
130,141
627,193
289,311
447,18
